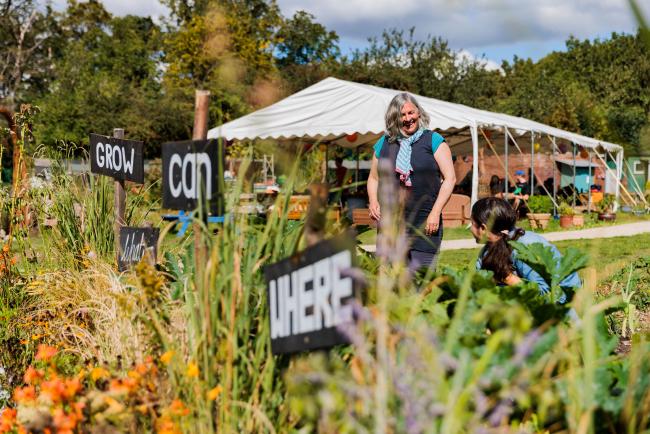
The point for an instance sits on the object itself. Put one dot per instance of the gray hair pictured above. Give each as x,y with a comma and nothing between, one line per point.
393,115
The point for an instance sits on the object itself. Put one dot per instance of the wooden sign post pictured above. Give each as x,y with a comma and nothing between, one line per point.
122,160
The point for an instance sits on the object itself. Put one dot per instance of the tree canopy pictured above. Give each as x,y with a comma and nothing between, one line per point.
91,71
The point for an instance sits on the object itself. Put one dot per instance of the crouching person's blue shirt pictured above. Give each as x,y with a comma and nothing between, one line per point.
524,270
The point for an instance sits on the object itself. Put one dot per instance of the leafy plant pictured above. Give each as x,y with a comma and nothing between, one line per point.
540,204
565,209
606,205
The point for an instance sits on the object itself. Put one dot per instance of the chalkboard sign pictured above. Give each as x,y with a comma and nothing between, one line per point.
117,158
309,295
133,244
192,169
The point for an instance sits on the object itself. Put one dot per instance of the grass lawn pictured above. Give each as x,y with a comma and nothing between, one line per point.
607,255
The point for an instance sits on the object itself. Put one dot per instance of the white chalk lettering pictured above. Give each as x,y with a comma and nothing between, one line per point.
114,157
312,297
131,251
191,166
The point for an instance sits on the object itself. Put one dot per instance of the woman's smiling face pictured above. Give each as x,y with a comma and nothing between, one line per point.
410,117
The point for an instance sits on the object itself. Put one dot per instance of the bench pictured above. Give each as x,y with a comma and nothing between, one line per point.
456,213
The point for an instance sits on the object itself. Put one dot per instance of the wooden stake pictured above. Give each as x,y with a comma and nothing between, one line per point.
200,132
120,200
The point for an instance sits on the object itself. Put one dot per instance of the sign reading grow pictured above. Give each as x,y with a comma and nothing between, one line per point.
309,297
133,244
118,158
191,174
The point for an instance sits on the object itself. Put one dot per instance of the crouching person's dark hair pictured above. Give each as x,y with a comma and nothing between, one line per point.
500,219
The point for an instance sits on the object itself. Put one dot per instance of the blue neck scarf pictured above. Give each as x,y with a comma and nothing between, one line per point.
403,163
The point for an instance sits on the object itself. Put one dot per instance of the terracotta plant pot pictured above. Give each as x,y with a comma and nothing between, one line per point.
538,220
607,216
578,220
566,221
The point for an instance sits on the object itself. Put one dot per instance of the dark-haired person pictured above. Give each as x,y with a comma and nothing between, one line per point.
493,223
423,168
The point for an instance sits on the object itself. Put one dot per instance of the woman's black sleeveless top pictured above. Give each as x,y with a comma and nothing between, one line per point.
422,194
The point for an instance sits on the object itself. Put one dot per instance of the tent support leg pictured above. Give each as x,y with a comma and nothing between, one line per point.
505,146
532,163
574,174
475,174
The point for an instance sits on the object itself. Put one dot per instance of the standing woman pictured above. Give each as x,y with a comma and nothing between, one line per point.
424,169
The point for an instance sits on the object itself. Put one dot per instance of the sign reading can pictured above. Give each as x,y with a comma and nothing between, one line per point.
190,170
309,297
134,242
117,158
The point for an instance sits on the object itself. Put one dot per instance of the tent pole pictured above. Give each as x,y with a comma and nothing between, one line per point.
505,145
475,174
629,195
554,187
591,181
532,163
574,174
618,175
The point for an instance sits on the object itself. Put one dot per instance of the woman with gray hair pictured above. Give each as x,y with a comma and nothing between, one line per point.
423,167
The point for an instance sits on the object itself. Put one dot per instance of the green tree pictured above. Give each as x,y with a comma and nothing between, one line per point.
27,37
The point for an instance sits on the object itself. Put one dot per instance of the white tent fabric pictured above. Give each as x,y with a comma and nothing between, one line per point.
350,114
333,108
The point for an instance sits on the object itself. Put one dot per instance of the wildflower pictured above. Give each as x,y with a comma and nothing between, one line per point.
177,408
14,260
192,370
36,337
166,426
32,376
45,352
98,373
142,408
72,387
54,389
5,248
167,357
64,423
7,419
214,393
23,394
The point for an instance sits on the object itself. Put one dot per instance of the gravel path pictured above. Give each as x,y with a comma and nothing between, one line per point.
625,230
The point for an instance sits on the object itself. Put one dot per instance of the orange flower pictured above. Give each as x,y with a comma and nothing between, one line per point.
23,394
214,393
192,370
5,248
166,426
167,357
54,389
7,419
64,423
177,408
98,373
33,376
72,387
116,386
14,260
45,352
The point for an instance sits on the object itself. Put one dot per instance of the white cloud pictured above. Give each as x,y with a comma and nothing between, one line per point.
151,8
473,23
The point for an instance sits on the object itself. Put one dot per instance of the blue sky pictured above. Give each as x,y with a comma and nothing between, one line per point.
498,29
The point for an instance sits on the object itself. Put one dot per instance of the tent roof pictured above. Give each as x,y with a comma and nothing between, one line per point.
334,110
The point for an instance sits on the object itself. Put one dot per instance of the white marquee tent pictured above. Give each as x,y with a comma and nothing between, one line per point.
346,113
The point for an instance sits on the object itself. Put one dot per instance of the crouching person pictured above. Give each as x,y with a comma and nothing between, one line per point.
494,223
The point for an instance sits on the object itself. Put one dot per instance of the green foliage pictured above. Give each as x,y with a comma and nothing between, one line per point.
540,203
565,209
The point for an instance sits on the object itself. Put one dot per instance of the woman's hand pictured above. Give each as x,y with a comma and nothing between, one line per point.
433,222
512,279
374,209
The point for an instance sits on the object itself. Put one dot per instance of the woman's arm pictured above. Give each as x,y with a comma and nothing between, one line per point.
446,165
373,183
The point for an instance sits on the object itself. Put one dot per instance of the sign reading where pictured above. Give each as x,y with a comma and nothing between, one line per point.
190,171
133,244
309,296
117,158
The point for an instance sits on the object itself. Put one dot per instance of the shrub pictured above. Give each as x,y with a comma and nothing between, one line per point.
540,204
